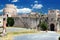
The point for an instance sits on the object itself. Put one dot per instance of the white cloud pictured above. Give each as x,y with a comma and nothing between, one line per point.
37,6
14,0
1,10
24,10
35,1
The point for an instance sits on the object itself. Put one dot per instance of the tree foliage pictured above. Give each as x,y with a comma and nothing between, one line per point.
43,25
10,21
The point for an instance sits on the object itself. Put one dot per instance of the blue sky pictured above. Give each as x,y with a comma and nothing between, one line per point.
26,6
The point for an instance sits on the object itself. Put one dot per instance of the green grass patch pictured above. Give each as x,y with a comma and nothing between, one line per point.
22,32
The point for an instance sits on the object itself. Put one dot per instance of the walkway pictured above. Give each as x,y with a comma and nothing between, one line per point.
37,36
40,36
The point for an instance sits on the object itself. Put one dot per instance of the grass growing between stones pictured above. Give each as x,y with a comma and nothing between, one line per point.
58,32
10,35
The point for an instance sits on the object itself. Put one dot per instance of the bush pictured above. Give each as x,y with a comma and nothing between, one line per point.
10,21
43,26
59,38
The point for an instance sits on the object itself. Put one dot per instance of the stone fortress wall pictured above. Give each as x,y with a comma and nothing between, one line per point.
32,20
21,20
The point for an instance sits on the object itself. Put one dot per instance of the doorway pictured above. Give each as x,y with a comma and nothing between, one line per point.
52,27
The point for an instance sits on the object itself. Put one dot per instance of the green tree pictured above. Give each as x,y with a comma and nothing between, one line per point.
43,26
10,21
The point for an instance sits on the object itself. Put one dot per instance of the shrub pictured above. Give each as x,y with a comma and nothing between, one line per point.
43,26
10,21
59,38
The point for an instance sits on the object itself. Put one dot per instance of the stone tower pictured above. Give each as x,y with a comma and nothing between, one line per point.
10,10
52,20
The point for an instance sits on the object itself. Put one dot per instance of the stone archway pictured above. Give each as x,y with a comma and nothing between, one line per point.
52,26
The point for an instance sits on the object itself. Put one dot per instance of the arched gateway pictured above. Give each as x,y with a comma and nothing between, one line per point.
52,27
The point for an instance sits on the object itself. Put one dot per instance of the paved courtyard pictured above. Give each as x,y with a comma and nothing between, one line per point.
50,35
40,36
13,29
